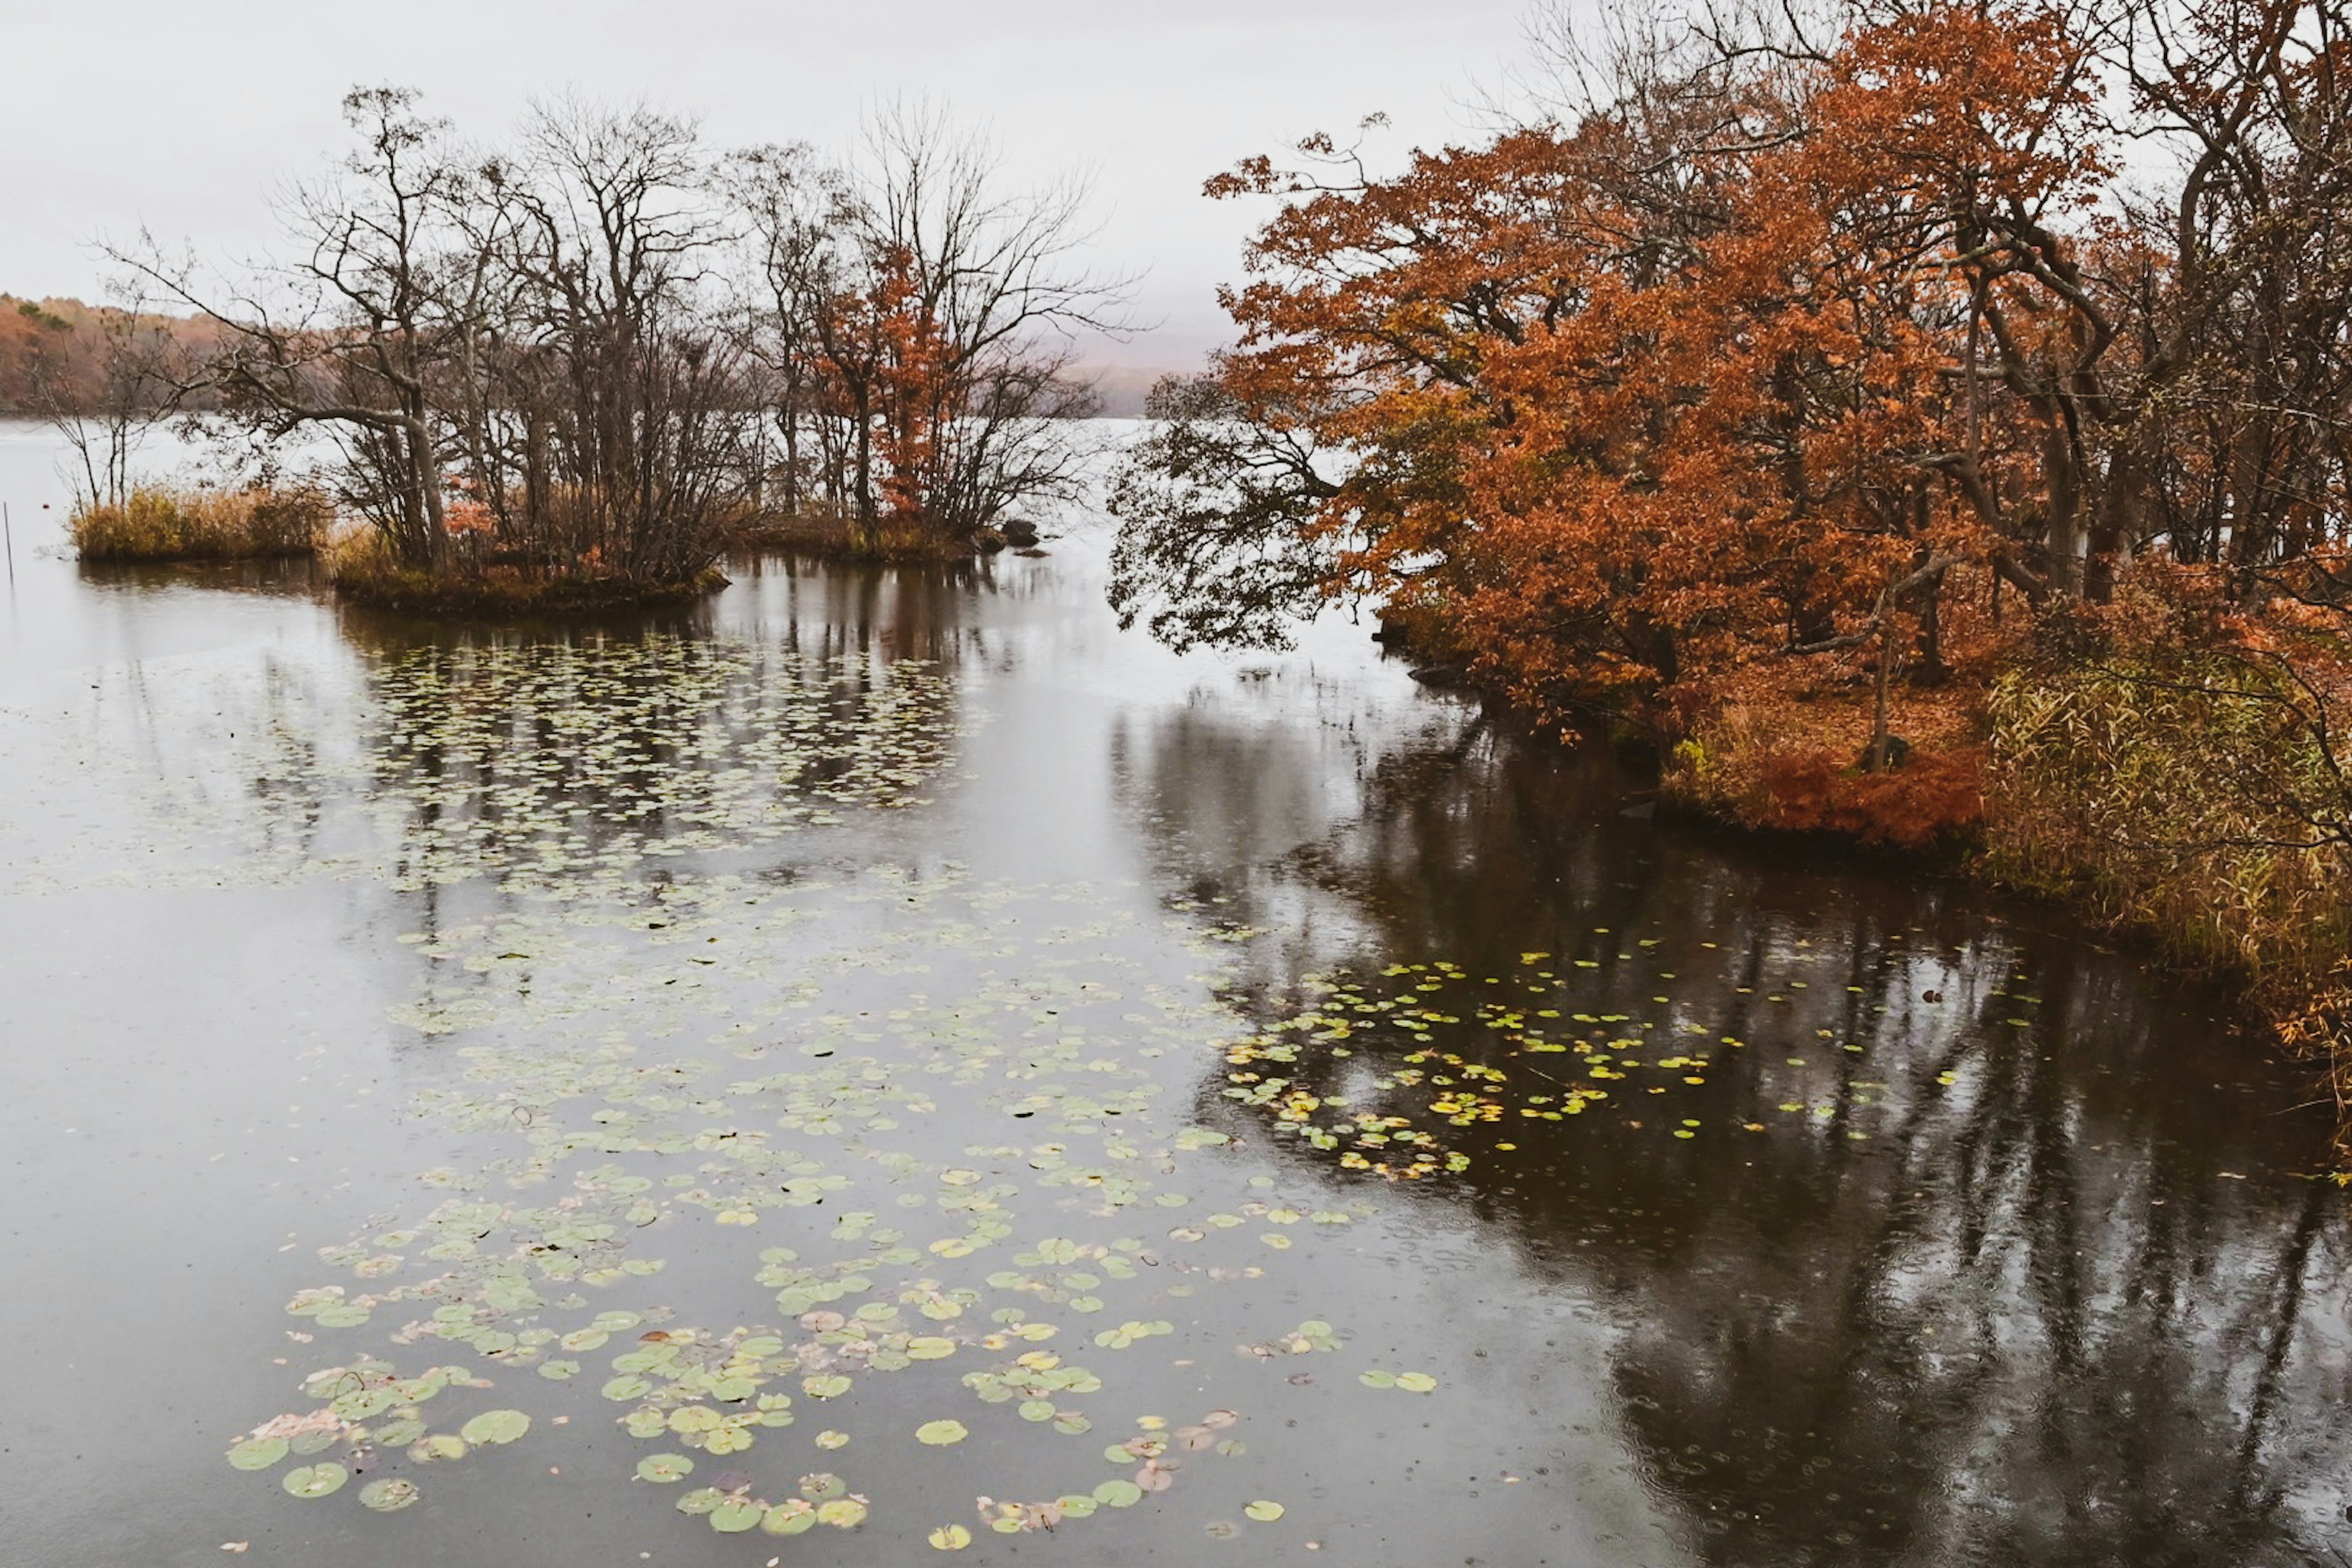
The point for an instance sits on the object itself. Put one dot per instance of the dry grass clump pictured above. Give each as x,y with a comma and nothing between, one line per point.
167,522
2176,799
2189,785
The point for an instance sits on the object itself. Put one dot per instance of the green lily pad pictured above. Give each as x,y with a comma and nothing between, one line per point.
389,1495
842,1513
736,1515
316,1480
1119,1494
940,1433
1265,1510
257,1452
664,1467
494,1427
791,1518
398,1433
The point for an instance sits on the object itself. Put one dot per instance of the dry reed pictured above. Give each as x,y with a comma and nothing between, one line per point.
165,523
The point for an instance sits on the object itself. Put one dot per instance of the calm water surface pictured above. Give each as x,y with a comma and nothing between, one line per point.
751,1083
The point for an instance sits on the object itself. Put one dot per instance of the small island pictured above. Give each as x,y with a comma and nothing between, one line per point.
571,375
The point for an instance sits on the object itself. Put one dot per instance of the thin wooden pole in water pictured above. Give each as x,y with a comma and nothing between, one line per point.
8,531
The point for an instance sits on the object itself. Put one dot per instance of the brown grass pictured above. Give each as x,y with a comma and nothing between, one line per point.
2189,799
164,522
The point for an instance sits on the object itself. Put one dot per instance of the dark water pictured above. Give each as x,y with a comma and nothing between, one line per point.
866,980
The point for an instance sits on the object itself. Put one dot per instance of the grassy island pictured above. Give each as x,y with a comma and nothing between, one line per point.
160,522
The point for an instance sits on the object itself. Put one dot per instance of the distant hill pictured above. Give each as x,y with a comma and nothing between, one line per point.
54,345
52,350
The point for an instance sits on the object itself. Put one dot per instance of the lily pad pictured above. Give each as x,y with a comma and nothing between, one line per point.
492,1426
316,1480
389,1495
843,1512
791,1518
940,1433
1265,1510
257,1452
664,1467
736,1515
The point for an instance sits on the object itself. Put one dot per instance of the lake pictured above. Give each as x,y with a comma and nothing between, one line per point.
884,1059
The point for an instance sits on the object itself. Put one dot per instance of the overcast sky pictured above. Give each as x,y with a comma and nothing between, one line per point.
184,115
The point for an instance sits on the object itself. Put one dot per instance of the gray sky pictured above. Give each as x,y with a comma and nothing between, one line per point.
184,115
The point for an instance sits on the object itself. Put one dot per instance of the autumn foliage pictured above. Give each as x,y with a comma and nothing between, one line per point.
1790,390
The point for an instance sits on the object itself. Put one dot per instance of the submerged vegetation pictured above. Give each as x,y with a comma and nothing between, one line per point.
1814,393
174,522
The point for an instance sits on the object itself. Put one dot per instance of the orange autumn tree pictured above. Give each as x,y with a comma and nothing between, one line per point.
1633,406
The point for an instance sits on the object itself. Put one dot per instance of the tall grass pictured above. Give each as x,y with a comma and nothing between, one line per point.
166,522
2194,800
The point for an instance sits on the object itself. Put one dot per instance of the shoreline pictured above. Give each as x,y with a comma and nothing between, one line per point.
423,595
1985,828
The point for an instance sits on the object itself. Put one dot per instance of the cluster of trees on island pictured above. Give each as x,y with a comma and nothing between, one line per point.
595,353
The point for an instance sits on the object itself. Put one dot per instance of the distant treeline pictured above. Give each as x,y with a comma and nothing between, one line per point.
54,353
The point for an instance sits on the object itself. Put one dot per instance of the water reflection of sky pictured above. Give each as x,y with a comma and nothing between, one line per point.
1983,1247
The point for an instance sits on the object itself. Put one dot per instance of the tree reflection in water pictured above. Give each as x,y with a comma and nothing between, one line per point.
1930,1284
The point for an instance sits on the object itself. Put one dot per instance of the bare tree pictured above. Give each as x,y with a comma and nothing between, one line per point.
612,259
349,336
106,401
